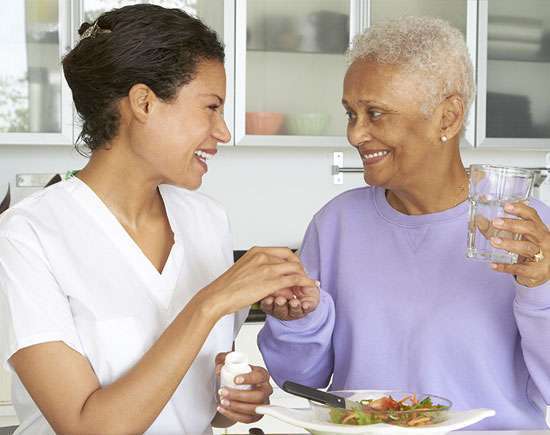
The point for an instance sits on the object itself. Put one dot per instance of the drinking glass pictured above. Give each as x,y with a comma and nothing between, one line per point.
491,188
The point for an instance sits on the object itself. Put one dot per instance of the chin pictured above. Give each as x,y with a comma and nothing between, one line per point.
374,181
185,184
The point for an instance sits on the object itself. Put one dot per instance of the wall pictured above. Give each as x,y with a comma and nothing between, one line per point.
270,193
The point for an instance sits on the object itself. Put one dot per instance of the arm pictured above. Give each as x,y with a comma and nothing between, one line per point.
532,312
79,404
532,301
307,342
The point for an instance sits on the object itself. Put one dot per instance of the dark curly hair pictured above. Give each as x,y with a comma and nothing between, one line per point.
141,43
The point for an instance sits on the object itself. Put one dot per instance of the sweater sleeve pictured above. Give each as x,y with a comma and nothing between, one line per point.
532,312
301,350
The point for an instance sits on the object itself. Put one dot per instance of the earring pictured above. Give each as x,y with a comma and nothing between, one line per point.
444,139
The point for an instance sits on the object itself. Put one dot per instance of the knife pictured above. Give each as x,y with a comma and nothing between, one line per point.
319,396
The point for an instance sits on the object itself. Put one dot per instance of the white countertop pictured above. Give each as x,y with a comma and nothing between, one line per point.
504,432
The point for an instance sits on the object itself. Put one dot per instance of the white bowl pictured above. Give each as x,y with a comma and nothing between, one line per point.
308,420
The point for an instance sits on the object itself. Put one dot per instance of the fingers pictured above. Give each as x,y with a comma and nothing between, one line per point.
522,247
295,310
284,254
240,405
526,274
220,358
258,375
280,309
242,418
266,305
526,228
257,396
523,211
285,268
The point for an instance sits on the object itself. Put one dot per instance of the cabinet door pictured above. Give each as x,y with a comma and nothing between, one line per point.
219,15
514,72
35,101
290,64
462,14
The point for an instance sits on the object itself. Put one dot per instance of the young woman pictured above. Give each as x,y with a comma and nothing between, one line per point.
117,298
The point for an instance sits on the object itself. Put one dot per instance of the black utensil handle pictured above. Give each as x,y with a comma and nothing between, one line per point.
314,394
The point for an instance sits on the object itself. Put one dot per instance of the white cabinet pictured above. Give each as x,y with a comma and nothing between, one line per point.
290,62
285,63
7,413
514,68
35,100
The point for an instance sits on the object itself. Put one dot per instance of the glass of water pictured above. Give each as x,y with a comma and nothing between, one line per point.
491,188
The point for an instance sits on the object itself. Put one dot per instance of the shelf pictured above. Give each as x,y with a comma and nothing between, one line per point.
541,60
325,53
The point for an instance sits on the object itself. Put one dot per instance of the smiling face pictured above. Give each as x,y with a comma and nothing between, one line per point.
396,141
175,138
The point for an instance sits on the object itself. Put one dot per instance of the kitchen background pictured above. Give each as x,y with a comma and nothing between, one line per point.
285,63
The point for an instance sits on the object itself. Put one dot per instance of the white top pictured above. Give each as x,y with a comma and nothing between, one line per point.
70,272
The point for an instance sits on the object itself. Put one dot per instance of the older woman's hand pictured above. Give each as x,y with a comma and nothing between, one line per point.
291,303
240,405
533,267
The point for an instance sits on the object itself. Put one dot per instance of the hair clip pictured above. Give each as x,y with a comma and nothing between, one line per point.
93,30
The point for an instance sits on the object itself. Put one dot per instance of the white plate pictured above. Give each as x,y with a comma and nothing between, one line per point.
306,419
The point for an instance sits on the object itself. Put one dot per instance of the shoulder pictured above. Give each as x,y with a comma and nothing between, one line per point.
346,204
23,219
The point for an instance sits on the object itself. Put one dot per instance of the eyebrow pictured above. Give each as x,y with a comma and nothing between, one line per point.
368,102
220,99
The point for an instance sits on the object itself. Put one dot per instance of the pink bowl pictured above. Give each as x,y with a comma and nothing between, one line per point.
264,122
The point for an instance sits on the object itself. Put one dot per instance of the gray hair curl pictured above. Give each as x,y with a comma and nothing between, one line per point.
429,47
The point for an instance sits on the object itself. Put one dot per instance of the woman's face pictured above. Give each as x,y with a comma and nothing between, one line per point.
396,141
179,136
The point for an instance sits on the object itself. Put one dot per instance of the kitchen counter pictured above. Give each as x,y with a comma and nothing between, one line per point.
485,432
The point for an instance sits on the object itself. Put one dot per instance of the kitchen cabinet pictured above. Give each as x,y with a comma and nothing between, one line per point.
514,67
285,61
35,101
290,62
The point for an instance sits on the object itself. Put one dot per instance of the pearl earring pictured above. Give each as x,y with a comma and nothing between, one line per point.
444,139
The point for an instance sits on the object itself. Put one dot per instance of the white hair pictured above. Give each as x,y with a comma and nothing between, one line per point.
428,47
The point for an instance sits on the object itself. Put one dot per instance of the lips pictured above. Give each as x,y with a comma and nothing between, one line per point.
203,155
373,156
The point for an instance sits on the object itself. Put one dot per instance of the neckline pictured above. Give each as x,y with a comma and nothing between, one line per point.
125,243
396,217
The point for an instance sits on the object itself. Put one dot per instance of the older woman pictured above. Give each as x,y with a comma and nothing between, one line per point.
400,306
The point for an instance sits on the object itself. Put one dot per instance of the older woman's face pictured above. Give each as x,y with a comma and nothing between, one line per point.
395,140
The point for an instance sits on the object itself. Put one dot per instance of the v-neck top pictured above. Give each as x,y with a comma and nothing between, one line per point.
70,272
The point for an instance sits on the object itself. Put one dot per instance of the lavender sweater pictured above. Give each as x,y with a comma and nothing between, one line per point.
403,308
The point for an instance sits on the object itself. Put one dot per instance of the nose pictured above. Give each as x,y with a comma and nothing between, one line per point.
221,132
359,132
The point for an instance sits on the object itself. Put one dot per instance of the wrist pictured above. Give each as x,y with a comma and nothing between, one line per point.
209,304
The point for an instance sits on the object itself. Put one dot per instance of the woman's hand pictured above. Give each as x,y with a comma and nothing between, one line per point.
533,267
240,405
292,303
257,274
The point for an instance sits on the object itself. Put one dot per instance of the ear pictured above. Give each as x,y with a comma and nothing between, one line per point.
141,100
452,116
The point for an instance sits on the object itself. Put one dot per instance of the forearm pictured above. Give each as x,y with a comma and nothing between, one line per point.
532,311
300,350
133,402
